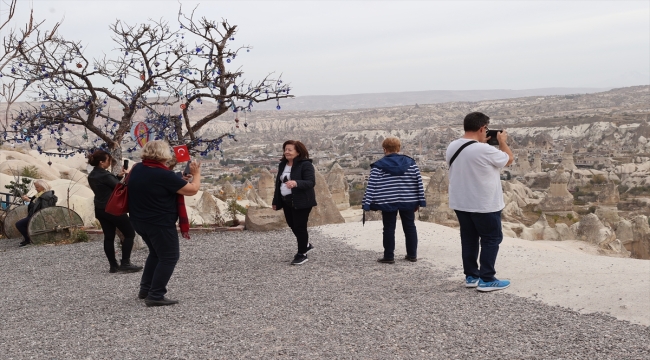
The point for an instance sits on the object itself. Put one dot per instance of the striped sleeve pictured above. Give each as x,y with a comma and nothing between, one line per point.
386,189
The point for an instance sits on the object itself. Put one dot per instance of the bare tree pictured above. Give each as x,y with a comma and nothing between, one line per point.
15,43
163,75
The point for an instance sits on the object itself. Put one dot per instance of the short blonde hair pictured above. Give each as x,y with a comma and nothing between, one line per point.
391,144
157,150
43,184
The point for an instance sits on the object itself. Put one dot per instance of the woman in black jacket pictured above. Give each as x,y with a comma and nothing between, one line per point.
44,198
294,193
102,182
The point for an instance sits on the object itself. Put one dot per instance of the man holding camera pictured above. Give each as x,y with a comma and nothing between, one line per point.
476,196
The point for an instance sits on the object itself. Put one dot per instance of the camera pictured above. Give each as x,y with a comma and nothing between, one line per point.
492,134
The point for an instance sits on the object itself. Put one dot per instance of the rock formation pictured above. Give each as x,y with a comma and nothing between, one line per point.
639,247
516,196
540,230
266,186
567,158
537,162
437,197
590,229
338,186
558,200
249,193
609,195
207,207
229,191
326,212
264,219
521,166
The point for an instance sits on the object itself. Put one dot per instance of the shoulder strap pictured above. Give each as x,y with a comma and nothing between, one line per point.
459,150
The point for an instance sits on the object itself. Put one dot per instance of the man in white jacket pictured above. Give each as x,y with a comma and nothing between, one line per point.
476,196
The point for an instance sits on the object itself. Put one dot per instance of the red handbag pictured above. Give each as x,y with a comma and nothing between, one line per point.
118,203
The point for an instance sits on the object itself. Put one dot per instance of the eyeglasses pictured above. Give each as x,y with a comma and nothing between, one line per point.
486,129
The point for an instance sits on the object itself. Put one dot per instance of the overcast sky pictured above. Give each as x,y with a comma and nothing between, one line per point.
351,47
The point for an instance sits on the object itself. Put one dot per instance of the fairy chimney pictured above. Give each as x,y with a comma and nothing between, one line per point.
338,186
567,158
437,197
266,186
558,199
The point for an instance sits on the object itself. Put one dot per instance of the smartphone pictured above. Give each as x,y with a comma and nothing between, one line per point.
187,169
126,164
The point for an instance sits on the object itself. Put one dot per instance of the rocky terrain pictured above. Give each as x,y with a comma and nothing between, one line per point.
582,169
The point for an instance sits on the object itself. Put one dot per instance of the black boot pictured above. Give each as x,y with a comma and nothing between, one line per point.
114,268
128,267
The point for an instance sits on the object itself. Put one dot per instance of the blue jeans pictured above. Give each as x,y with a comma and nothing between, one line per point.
410,232
164,252
480,232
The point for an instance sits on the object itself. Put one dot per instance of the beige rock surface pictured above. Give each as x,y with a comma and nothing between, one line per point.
11,167
264,219
326,212
558,199
639,247
437,197
266,187
581,279
338,186
249,193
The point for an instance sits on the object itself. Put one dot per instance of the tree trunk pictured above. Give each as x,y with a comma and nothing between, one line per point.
116,153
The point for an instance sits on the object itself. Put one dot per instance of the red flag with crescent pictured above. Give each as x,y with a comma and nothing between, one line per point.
141,132
182,154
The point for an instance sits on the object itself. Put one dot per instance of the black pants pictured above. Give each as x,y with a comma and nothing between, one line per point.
480,232
297,221
21,225
164,252
109,224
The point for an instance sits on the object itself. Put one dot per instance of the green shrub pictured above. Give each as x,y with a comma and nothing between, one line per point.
19,188
80,235
598,179
31,171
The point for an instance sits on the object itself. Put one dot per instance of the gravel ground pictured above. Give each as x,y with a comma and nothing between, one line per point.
240,298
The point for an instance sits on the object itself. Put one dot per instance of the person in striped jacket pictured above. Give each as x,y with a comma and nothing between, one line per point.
395,185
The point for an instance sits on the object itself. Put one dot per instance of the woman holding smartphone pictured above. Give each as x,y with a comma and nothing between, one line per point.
102,182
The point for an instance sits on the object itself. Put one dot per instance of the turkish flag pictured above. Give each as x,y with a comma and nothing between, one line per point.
182,154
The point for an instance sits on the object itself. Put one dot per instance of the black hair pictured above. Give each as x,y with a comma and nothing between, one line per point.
475,120
98,156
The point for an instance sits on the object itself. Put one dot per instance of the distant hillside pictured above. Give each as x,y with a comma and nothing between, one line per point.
378,100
